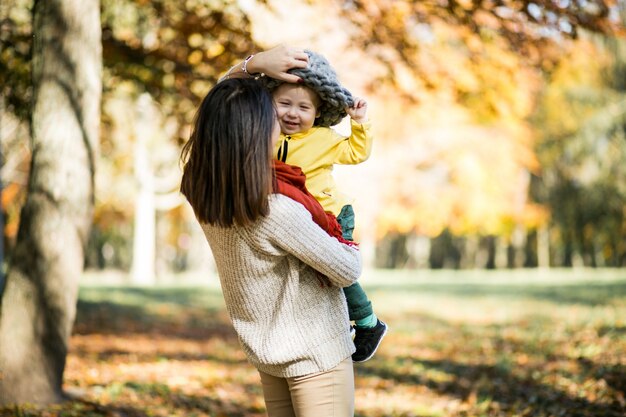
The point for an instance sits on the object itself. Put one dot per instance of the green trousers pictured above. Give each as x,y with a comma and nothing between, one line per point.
359,306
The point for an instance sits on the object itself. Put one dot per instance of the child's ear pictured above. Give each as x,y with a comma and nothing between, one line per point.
318,113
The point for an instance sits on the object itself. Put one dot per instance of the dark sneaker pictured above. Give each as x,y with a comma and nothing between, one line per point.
367,341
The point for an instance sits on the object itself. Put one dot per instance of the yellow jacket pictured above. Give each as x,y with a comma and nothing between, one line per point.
317,150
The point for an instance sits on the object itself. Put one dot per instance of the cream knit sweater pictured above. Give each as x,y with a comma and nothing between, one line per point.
288,324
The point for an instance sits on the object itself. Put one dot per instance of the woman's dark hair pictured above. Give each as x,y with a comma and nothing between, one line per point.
227,174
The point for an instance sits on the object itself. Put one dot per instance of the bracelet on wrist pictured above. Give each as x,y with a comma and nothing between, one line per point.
244,68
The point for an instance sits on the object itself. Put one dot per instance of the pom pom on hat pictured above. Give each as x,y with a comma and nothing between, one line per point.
321,78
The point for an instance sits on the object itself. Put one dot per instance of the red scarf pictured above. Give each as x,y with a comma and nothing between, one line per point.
290,181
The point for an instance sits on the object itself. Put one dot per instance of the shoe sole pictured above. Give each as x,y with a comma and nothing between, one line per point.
376,348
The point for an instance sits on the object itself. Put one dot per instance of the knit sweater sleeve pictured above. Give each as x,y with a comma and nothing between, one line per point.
291,228
358,146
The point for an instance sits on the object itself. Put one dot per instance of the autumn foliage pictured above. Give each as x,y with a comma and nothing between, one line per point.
455,91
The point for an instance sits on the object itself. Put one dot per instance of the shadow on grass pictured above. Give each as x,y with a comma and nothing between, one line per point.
112,355
159,398
112,318
74,407
613,375
196,297
191,404
590,294
495,384
154,399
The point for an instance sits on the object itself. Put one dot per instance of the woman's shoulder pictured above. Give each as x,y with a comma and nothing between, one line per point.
282,206
285,215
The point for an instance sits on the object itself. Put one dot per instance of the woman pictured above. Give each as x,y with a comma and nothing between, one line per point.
268,250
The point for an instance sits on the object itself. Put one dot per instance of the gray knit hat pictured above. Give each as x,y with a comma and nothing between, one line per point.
321,78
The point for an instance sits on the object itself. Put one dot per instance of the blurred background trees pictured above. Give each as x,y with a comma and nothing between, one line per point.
499,125
582,115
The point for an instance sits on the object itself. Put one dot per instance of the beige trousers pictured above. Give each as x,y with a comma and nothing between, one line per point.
323,394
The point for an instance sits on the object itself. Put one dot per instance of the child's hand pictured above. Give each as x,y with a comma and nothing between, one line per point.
358,112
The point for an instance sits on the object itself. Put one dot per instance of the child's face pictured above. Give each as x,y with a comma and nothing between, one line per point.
296,106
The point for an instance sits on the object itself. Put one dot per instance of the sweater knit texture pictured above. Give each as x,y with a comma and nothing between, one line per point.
288,325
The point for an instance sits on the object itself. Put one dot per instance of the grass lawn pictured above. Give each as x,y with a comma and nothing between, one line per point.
475,343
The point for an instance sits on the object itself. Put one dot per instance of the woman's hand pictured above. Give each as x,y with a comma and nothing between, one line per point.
277,61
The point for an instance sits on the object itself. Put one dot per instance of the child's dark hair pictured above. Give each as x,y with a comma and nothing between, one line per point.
227,174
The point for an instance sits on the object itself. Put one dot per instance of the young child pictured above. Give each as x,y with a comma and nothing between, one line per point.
306,111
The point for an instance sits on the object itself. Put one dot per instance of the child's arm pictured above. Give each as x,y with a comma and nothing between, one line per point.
358,146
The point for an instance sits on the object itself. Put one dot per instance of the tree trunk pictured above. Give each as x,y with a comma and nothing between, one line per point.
516,247
144,236
490,248
39,302
1,209
543,247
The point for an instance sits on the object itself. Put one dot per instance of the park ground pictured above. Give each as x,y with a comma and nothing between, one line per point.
462,344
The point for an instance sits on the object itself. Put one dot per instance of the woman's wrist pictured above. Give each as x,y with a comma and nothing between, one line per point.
253,64
244,68
248,69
